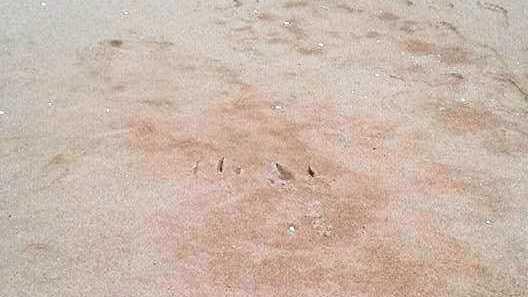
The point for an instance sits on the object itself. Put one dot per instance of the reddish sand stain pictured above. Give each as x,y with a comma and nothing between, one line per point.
417,47
447,55
453,55
237,239
366,133
465,118
167,153
436,177
496,135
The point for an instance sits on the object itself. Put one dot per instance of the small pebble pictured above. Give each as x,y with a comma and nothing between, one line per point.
2,112
108,110
320,44
489,221
43,4
291,230
277,107
124,12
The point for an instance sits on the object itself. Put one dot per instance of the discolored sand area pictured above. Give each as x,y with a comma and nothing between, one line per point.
264,148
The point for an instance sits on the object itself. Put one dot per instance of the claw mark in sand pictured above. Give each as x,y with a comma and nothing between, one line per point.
284,173
220,166
311,172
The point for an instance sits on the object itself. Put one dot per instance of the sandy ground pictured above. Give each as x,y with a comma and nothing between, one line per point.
264,148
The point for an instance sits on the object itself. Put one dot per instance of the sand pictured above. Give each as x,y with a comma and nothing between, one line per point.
264,148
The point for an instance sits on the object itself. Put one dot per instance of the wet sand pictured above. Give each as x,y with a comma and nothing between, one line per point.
264,148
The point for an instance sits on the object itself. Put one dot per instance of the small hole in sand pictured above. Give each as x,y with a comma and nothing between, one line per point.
116,42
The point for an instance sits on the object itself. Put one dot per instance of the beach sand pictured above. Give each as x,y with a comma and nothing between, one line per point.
264,148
